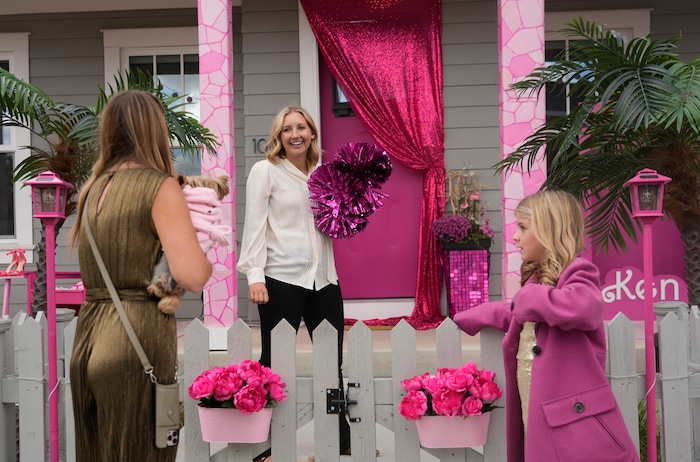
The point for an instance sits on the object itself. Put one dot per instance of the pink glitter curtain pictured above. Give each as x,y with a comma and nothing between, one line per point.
386,56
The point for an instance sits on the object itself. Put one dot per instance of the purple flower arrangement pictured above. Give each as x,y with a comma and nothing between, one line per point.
451,228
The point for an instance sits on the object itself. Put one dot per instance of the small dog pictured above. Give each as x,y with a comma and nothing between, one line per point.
205,211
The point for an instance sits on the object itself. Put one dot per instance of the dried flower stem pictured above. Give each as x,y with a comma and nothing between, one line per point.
461,184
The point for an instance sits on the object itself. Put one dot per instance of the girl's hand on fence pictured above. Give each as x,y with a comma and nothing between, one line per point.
258,293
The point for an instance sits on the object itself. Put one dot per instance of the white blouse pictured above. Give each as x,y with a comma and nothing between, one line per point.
280,239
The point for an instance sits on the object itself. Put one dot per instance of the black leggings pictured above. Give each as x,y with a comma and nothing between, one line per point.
293,303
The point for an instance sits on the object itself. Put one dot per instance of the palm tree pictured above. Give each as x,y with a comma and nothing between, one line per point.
640,108
68,136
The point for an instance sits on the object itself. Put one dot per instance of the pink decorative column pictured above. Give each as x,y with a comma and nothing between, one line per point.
216,90
521,50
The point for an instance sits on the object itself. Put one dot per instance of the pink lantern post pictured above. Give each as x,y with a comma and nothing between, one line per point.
647,195
49,198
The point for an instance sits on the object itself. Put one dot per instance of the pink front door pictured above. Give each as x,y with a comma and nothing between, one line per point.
382,260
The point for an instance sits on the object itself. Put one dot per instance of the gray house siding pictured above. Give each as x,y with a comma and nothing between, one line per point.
270,40
470,93
67,61
66,55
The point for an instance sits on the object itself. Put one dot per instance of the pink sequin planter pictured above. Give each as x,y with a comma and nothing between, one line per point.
466,278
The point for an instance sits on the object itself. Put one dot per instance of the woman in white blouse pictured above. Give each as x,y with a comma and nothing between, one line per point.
288,262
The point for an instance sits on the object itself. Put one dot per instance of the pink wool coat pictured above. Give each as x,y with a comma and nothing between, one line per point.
573,415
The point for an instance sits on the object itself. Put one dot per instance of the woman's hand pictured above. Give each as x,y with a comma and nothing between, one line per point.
171,218
258,293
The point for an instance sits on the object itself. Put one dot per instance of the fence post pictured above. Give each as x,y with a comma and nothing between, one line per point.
68,339
361,374
448,346
63,317
673,362
196,361
623,372
239,341
403,366
284,417
8,437
29,341
694,357
492,359
326,426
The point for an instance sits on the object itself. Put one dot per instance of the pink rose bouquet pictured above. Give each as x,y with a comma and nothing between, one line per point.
463,391
248,387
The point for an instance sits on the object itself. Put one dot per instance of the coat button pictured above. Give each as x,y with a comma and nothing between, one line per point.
536,350
579,407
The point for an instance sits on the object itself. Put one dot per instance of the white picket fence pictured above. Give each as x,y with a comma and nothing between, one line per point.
24,406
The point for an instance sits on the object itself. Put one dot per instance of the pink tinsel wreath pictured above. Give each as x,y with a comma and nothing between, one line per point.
345,190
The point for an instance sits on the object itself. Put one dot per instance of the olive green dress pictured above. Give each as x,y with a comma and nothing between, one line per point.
112,396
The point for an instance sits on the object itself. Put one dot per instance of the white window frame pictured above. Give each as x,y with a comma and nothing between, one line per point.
119,44
14,47
309,78
635,22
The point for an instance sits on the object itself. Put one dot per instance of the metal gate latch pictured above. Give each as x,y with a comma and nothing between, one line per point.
352,401
335,401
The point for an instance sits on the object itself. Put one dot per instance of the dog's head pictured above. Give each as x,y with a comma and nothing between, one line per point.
218,184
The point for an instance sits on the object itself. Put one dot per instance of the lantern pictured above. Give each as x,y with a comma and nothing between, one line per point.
647,193
49,193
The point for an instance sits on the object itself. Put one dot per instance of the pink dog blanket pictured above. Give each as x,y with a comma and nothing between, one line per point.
205,212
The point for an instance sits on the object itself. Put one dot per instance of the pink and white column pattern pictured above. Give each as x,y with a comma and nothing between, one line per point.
216,113
521,50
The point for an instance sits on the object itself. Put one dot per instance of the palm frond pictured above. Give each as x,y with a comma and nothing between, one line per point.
70,132
640,104
21,101
185,131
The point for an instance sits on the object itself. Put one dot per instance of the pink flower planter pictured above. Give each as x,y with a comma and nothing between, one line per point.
440,431
225,425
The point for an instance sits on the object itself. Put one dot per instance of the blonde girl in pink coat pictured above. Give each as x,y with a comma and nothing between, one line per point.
559,404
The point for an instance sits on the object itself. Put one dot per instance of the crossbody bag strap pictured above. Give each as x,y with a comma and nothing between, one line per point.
148,369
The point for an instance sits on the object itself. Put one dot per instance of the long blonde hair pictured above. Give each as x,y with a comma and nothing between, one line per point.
558,224
132,129
274,146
